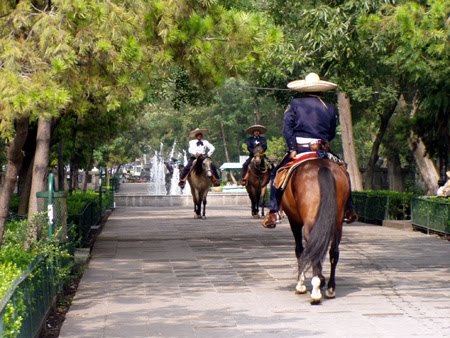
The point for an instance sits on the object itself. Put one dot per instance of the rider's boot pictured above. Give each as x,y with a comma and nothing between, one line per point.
271,219
182,183
244,178
215,181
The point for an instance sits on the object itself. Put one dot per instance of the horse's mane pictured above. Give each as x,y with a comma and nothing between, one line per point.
199,166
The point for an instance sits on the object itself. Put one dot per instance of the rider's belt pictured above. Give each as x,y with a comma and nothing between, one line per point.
314,146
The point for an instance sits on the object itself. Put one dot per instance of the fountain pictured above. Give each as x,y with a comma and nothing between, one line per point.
165,173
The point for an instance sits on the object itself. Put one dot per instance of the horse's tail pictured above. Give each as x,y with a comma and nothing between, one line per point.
324,227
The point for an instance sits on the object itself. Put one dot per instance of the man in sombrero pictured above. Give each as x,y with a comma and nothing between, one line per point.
199,147
254,140
308,120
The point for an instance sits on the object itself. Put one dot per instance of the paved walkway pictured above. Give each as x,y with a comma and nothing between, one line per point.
160,273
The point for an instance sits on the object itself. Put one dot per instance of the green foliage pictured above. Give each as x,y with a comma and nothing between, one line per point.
276,148
412,39
78,200
15,259
383,204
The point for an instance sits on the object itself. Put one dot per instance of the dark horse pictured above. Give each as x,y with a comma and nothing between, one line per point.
258,178
200,180
315,199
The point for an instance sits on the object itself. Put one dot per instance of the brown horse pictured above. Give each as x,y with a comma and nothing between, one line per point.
315,199
258,178
200,180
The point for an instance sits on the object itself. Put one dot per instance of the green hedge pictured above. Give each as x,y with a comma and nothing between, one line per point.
374,206
431,214
19,272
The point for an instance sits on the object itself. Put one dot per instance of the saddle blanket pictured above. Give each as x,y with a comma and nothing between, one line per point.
285,172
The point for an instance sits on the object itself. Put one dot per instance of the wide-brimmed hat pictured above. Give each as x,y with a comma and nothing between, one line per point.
311,83
255,127
196,131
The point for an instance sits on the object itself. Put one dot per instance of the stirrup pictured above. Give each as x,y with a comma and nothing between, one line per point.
182,184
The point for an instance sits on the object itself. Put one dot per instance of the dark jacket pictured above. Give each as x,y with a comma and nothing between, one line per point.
252,142
309,117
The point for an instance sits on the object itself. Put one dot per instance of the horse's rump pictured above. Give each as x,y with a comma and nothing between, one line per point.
302,196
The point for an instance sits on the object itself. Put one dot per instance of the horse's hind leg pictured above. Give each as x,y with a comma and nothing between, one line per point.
334,258
297,232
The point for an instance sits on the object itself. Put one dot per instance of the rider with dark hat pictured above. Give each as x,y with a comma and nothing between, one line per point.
307,121
199,147
252,142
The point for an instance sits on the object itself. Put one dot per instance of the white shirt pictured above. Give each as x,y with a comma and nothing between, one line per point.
205,149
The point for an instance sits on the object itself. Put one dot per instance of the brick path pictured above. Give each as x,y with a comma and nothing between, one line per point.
159,273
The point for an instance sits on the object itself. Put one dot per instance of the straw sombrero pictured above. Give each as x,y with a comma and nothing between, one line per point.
259,127
311,83
196,131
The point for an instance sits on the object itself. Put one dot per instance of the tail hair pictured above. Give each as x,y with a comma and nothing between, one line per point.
324,227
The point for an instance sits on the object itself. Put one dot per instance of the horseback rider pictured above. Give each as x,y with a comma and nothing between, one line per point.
309,122
252,142
199,147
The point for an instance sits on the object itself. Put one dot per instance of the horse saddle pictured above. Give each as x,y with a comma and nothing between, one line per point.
284,173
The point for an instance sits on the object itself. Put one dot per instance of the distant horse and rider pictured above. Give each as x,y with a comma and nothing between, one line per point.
200,171
256,169
258,177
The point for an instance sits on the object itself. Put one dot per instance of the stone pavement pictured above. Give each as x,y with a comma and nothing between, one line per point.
157,272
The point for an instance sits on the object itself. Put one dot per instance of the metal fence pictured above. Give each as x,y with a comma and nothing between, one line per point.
431,215
27,302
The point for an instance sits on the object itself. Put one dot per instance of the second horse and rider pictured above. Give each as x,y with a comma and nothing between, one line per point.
309,125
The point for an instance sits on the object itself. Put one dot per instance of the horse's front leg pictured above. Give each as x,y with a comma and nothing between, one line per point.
263,197
204,208
197,209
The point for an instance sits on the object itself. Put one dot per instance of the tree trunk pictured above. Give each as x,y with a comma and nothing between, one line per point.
87,169
40,166
384,122
225,145
61,171
424,163
24,196
395,176
348,144
26,171
15,158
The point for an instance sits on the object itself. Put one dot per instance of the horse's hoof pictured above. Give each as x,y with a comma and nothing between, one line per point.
330,294
316,295
300,288
255,216
315,301
203,217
